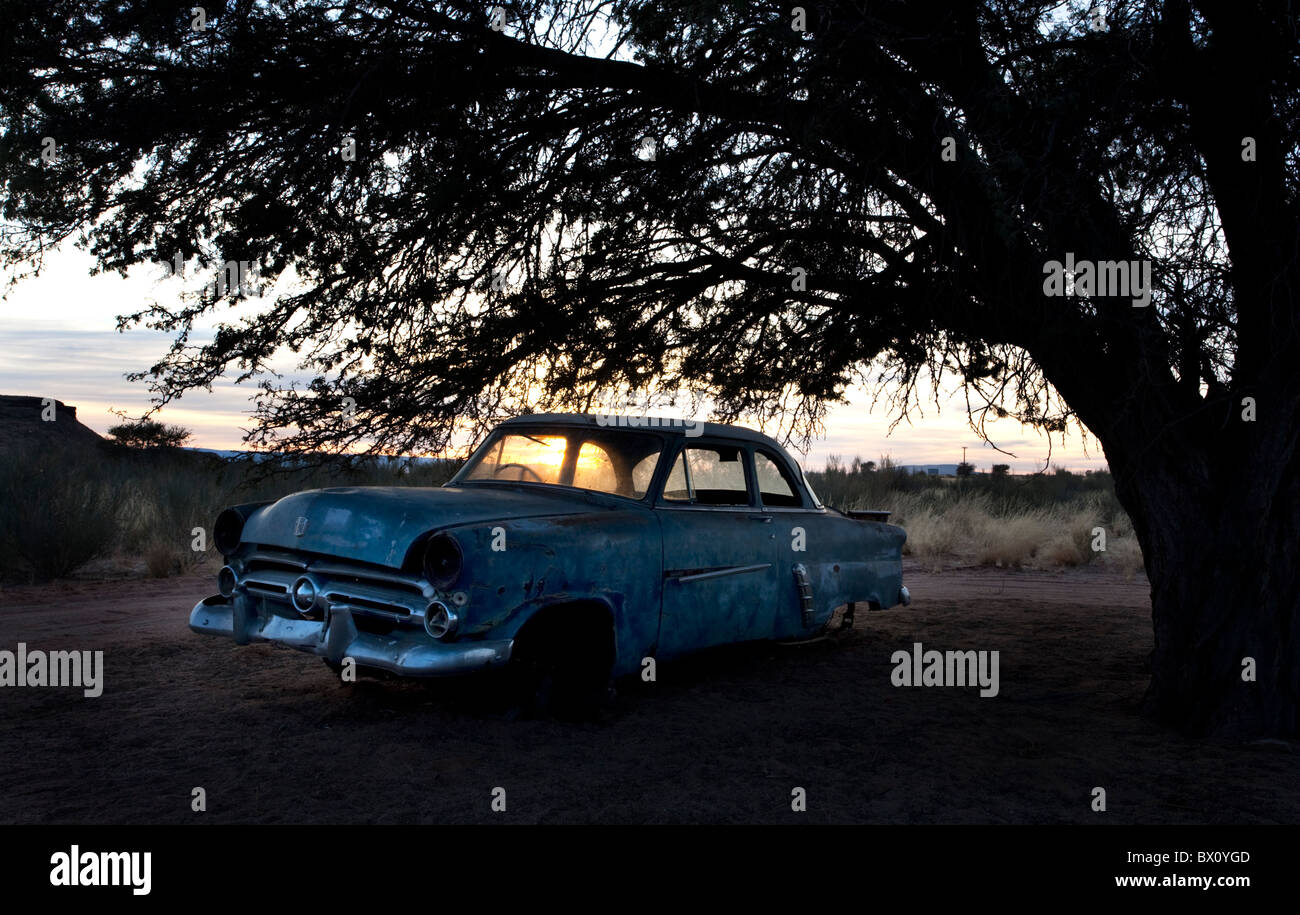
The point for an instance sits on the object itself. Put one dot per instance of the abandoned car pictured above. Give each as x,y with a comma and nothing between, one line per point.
568,549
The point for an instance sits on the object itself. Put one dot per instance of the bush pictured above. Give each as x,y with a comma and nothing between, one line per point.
163,559
1014,541
1125,554
1033,520
148,433
56,513
59,509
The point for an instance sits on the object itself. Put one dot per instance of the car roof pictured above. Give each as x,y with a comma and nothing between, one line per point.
662,424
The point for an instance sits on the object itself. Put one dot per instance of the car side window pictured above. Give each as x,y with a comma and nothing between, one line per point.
708,475
643,473
677,487
594,470
775,487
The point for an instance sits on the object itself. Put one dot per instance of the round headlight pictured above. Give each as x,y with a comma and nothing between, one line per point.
226,531
304,595
442,561
227,581
440,621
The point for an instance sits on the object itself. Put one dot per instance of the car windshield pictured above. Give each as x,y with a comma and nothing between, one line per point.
603,460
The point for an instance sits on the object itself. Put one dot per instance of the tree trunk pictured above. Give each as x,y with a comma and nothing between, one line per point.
1219,526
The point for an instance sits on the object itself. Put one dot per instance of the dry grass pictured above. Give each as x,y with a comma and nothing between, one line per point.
64,509
163,559
1126,555
974,528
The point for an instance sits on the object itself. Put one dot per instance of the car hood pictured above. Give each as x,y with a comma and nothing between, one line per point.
378,524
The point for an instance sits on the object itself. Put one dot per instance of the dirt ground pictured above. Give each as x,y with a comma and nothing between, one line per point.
273,737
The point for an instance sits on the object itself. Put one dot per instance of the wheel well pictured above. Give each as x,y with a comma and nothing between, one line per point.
585,626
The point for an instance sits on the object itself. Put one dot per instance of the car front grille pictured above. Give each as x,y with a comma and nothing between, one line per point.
365,590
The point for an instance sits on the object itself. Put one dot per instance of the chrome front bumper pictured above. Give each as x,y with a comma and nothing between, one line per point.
410,653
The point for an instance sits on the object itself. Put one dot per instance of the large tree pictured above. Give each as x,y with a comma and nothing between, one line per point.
544,205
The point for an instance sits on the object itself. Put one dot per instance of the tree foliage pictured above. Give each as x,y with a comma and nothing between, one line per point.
149,433
794,227
596,201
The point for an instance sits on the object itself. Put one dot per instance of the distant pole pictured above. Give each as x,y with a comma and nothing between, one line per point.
963,454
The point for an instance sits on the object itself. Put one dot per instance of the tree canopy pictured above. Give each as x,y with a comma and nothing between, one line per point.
611,197
149,433
1078,211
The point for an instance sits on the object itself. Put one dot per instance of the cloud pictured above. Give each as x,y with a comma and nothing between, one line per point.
86,369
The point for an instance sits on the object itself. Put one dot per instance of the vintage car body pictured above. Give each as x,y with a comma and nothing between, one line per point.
637,538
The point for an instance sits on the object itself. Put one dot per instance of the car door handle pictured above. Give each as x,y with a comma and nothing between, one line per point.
761,519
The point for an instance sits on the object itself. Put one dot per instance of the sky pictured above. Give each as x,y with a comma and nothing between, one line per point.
58,339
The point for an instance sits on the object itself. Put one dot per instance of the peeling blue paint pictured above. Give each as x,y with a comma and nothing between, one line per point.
673,577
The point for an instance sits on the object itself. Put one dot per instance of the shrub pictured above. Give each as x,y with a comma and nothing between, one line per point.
148,433
56,513
1013,541
62,508
1035,520
1125,554
163,559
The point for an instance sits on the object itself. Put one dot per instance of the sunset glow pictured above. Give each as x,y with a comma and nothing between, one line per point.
58,334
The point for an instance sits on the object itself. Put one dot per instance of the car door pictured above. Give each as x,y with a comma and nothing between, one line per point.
798,530
718,550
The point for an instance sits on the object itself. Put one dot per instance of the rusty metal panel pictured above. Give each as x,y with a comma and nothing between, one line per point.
341,572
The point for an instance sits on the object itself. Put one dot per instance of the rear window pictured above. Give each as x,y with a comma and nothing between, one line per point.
775,487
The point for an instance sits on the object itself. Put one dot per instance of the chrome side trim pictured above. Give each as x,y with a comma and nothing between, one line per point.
719,573
669,504
804,587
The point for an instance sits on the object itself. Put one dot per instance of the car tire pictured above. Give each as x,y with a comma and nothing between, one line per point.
553,674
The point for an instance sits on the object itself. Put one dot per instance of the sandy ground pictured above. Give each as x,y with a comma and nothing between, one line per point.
273,737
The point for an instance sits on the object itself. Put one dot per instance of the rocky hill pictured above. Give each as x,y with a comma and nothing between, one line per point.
21,424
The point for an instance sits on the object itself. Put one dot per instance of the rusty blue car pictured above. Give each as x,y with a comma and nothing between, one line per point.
568,550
